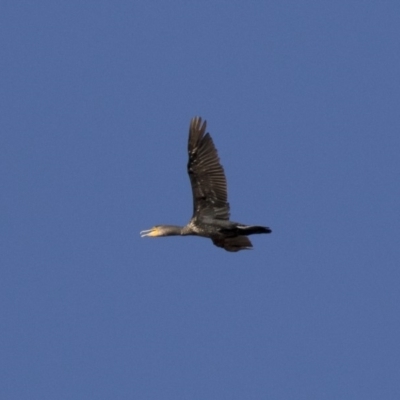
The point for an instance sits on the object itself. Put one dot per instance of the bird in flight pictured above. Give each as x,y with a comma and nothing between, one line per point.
211,210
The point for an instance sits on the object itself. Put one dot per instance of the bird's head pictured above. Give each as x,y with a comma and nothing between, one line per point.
153,232
162,230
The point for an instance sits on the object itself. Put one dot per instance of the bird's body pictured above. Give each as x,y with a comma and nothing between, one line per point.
211,209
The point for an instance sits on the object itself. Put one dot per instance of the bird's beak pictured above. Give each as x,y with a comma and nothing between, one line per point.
149,232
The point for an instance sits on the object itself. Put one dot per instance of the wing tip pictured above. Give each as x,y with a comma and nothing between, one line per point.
196,124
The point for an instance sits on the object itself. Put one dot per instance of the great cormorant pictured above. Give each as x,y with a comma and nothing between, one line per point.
210,201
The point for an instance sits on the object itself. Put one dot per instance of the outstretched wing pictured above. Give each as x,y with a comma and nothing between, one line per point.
210,198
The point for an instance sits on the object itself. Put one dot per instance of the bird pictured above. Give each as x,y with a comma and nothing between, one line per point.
211,210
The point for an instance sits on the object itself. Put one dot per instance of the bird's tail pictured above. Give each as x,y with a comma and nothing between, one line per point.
252,229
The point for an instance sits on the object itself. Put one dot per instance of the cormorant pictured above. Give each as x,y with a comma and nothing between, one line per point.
210,201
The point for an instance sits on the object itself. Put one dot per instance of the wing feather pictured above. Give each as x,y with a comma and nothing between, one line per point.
207,177
233,244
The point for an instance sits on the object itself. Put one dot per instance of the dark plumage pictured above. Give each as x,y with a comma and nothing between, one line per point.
210,199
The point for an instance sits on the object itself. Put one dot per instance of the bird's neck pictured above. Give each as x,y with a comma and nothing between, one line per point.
173,230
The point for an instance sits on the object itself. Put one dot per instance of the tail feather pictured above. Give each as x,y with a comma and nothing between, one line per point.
252,229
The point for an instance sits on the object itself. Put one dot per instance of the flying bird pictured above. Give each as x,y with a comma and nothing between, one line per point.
211,209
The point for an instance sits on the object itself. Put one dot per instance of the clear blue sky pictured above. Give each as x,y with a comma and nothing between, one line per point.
302,100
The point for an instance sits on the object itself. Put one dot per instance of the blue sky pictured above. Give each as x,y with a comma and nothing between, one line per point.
302,101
